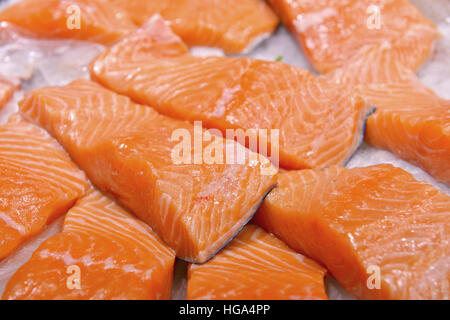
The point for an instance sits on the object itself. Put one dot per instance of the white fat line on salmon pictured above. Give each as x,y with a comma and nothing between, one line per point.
191,150
10,222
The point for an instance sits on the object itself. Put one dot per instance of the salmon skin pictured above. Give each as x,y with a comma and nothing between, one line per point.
232,25
115,256
38,182
127,151
256,266
319,123
381,233
91,20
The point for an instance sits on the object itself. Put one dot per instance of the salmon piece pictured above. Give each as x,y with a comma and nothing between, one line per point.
38,182
256,266
366,225
410,120
232,25
413,124
7,89
319,123
128,150
332,32
98,21
117,256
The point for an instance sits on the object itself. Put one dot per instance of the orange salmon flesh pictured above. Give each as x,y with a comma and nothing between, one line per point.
187,162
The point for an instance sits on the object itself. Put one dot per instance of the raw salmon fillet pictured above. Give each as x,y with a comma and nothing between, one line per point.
256,266
413,123
38,182
233,25
319,123
332,32
358,221
410,120
117,256
99,21
127,150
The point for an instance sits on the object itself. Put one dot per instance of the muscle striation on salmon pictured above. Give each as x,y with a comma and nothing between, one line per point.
7,89
38,182
413,123
235,26
410,120
232,25
381,233
332,32
91,20
103,253
256,266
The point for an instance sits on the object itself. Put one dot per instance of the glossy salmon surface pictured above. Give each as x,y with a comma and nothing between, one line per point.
256,266
317,123
90,20
235,26
332,32
413,123
195,204
410,120
381,233
232,25
38,182
103,252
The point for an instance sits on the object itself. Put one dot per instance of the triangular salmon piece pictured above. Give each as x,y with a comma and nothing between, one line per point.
234,26
256,266
333,32
195,202
318,123
381,233
38,182
91,20
103,253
